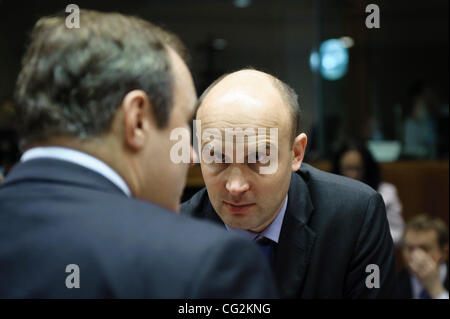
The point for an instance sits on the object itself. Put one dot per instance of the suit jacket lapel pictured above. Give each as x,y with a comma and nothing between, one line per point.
296,239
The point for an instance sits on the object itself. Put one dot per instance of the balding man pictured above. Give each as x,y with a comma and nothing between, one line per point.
326,236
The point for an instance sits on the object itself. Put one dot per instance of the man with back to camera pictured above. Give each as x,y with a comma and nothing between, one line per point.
425,254
326,236
96,192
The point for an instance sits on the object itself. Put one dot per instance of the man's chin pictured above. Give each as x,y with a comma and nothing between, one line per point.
237,221
237,226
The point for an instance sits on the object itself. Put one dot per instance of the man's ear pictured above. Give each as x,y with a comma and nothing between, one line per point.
138,118
298,149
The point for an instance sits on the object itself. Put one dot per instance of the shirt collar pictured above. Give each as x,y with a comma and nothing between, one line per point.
272,232
79,158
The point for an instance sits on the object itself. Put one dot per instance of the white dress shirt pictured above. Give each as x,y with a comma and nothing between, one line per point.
79,158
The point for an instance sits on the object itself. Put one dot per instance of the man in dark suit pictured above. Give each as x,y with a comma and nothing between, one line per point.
326,236
90,210
425,254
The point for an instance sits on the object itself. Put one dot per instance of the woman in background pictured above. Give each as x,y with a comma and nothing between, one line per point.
353,160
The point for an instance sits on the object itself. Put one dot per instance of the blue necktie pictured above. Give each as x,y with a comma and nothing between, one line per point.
266,246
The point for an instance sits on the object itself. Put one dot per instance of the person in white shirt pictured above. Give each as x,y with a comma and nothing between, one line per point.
425,254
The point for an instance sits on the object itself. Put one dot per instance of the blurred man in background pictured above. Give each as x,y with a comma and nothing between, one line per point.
420,137
425,254
90,210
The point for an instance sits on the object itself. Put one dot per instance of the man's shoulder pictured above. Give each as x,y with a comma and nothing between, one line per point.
337,199
321,183
126,241
151,227
177,249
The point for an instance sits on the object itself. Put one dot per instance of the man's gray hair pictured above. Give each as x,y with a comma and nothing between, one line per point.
73,80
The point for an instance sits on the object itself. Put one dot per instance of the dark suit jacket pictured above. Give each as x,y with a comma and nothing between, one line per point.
404,289
54,213
333,228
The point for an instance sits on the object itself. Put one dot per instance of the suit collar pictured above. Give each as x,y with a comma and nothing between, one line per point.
80,158
58,171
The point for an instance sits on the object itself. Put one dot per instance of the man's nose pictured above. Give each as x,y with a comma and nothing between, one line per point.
237,184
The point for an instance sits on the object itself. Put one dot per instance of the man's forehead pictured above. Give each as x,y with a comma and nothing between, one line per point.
245,122
241,107
239,95
249,87
245,99
421,236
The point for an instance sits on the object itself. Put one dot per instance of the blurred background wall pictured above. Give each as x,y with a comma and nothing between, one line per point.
387,68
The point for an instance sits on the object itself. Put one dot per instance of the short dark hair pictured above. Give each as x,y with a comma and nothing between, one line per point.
426,222
287,93
73,80
371,170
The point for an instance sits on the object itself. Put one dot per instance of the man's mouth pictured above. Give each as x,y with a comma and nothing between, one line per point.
238,208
